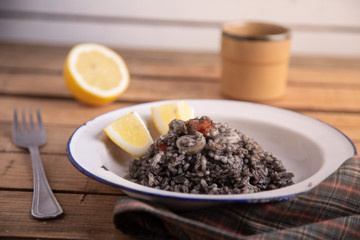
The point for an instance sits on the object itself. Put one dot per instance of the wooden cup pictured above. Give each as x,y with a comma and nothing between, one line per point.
255,59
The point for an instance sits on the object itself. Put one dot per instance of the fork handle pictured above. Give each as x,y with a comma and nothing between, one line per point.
44,204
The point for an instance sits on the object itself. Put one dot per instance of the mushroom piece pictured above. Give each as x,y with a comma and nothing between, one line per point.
231,137
191,144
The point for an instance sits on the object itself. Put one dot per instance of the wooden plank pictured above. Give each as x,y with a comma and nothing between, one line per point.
26,56
211,71
73,114
19,80
348,123
16,173
32,59
57,111
61,124
324,97
60,131
53,56
85,217
325,76
297,97
318,61
57,136
17,59
33,85
20,70
319,98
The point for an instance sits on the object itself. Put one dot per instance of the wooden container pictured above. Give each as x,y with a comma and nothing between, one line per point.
255,59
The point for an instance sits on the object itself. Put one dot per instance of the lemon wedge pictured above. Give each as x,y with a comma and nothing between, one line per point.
163,114
95,74
130,133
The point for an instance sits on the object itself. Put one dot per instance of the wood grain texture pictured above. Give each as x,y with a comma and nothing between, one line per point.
61,124
16,173
336,96
327,89
314,83
86,216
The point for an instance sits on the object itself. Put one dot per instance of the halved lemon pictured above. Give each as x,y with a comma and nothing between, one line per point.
130,133
163,114
95,74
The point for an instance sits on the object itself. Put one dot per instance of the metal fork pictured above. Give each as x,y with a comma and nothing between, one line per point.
30,136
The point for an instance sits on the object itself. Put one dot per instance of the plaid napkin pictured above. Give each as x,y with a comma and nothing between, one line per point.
329,211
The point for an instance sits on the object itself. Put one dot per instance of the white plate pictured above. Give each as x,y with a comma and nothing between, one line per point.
309,148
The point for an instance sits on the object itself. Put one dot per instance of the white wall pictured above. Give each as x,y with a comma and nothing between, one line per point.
319,27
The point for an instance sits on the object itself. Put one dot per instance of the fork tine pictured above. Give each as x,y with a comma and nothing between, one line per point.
40,123
32,127
15,122
24,127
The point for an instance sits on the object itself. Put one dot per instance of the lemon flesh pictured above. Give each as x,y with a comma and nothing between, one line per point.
130,133
163,114
98,71
95,74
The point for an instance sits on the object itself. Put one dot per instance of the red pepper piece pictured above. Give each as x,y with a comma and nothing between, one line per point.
162,147
203,125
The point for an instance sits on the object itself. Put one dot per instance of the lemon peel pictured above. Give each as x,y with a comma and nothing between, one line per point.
130,133
95,74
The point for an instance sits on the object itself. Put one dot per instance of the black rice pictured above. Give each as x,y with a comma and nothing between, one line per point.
202,157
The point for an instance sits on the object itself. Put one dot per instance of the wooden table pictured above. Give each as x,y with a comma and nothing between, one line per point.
323,88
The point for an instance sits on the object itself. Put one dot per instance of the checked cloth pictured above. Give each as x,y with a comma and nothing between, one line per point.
331,210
